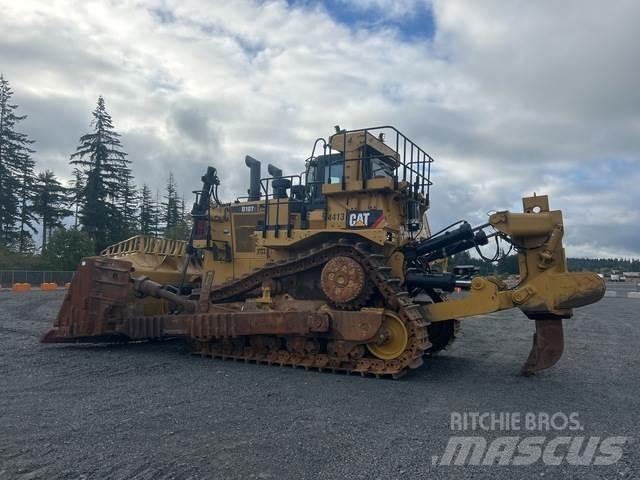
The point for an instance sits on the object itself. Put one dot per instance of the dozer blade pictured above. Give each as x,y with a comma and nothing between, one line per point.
97,296
548,345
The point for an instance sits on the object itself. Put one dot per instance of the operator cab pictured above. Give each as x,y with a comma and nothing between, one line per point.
379,158
330,169
377,161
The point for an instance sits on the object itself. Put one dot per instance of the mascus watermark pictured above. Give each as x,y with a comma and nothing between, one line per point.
548,438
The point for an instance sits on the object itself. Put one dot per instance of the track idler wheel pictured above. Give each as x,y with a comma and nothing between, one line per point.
392,339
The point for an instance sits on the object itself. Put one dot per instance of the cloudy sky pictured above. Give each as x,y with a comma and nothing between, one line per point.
509,97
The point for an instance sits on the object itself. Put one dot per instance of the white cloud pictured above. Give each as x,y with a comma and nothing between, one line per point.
509,98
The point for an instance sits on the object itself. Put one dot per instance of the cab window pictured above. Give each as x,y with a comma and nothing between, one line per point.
333,173
380,168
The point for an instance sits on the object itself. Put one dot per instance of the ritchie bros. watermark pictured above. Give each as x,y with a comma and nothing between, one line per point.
530,437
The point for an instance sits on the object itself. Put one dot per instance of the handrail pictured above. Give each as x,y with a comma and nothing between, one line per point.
147,245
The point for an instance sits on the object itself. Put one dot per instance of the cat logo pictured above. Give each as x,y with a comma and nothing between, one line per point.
364,219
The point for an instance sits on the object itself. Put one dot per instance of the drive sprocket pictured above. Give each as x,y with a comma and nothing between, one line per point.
343,281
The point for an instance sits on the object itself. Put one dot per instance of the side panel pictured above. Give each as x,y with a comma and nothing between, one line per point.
246,255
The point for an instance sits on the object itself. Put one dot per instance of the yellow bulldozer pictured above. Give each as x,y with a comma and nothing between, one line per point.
331,269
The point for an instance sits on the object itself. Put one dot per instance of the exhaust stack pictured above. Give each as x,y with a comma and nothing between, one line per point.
274,171
254,179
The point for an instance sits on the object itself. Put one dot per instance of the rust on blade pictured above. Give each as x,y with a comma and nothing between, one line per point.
548,345
96,298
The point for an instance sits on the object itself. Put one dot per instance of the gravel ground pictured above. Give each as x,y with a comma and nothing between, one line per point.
153,411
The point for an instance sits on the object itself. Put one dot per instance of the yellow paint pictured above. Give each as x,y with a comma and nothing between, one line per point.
396,341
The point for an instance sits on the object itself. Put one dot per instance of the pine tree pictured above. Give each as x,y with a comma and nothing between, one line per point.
26,180
182,228
156,217
76,189
185,221
171,205
148,212
128,205
50,203
16,174
103,165
65,248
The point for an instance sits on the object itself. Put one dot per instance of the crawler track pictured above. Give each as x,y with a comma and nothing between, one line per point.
277,351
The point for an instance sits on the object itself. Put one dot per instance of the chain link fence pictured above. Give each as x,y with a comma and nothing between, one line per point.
9,277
